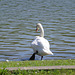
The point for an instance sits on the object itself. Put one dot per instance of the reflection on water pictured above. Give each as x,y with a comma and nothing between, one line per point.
17,28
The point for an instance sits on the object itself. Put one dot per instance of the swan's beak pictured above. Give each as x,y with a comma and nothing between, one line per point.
36,29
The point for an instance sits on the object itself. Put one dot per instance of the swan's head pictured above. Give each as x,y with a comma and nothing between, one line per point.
38,26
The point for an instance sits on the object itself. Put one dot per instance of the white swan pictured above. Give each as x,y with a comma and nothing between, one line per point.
40,45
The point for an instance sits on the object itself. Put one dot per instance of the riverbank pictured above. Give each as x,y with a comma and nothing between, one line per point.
4,64
38,63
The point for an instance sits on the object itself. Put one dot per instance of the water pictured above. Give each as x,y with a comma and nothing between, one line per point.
18,19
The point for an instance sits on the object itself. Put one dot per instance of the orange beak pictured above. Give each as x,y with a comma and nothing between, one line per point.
36,29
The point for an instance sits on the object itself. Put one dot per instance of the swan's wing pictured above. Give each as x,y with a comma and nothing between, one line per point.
41,45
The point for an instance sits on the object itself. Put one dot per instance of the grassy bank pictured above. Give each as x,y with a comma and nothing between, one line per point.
37,63
38,72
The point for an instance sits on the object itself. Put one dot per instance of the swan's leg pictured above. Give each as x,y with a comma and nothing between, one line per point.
33,56
41,57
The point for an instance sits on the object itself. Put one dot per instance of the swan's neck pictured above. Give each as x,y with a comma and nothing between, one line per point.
41,31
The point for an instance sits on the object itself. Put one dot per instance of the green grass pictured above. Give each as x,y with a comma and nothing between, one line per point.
38,72
37,63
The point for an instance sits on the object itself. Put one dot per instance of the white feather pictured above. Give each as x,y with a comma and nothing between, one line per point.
40,44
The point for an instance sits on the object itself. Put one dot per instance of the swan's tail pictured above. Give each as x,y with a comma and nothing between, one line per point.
50,53
47,52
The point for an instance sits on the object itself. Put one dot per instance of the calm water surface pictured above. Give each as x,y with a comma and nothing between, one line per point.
18,19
